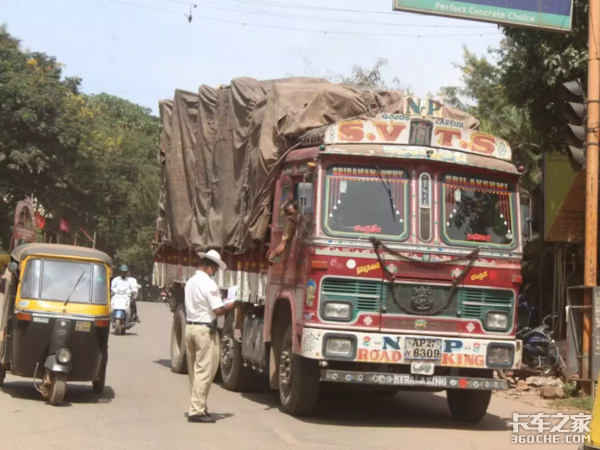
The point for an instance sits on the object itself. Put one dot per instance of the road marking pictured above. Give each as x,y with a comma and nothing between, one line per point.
285,436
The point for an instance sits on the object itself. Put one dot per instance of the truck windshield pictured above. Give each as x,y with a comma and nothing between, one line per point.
357,202
46,279
478,211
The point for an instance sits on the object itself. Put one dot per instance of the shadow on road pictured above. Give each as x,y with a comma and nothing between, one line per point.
76,393
163,362
217,416
123,335
363,409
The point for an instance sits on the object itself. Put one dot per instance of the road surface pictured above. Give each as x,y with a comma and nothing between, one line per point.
144,407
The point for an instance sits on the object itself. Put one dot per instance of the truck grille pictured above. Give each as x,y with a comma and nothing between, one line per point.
472,302
366,295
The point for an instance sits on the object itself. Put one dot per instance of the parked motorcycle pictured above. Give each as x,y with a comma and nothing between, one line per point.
147,292
540,353
121,311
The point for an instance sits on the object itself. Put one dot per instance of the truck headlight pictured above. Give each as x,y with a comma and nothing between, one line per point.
496,321
339,347
337,311
499,355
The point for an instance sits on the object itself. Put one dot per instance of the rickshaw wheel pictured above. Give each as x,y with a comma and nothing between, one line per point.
58,389
100,382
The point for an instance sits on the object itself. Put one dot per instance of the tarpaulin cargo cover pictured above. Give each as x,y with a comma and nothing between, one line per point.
221,150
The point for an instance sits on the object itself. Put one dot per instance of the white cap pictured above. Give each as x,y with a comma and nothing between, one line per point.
214,256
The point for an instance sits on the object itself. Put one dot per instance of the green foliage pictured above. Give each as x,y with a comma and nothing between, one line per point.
90,159
120,151
371,78
570,389
533,64
585,403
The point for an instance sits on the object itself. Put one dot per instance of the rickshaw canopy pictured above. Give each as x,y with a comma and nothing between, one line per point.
23,251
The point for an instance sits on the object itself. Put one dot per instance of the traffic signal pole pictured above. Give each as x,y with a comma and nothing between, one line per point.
591,194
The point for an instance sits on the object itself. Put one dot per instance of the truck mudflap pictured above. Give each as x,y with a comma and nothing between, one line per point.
393,379
387,348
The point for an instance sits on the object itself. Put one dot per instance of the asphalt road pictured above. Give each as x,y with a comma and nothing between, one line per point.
144,407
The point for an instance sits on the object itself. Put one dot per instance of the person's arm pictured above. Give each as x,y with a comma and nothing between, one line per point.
216,303
133,287
278,250
288,232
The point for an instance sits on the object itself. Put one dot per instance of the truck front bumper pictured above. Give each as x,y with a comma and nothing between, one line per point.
401,380
395,349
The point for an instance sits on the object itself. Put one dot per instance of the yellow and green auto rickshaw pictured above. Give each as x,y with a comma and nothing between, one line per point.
55,317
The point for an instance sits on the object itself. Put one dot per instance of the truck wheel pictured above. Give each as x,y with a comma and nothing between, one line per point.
58,388
235,376
178,358
468,406
299,383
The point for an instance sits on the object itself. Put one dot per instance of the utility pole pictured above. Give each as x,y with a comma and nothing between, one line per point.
591,194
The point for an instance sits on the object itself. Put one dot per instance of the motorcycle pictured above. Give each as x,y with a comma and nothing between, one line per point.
121,311
540,353
147,292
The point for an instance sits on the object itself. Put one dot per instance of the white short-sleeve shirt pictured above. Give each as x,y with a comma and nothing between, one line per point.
124,284
202,298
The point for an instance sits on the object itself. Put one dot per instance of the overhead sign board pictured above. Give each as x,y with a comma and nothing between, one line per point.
402,129
564,200
548,14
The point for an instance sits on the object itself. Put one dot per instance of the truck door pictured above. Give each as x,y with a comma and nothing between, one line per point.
278,221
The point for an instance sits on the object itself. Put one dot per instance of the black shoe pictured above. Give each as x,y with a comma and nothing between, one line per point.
201,419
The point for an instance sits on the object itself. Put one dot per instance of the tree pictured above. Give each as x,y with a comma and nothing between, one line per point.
533,64
124,178
40,128
90,159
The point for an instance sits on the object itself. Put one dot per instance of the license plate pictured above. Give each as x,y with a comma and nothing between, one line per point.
423,349
83,326
422,368
41,319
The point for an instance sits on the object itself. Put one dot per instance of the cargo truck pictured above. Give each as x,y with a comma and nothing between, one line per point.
405,267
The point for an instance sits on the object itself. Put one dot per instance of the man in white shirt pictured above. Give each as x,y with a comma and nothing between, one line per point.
202,305
126,283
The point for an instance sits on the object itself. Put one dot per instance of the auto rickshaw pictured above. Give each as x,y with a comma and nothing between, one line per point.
55,317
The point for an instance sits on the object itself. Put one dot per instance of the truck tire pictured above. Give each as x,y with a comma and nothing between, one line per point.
299,383
468,406
178,358
235,376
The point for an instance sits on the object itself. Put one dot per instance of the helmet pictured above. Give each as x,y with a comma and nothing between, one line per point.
123,268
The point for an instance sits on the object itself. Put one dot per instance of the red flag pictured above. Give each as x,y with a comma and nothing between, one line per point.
65,225
40,220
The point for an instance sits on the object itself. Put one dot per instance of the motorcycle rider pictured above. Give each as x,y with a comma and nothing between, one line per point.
125,282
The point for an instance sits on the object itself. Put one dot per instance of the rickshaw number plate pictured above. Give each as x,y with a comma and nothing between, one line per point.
83,326
41,319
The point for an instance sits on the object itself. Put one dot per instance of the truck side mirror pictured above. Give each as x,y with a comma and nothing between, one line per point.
305,193
12,267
